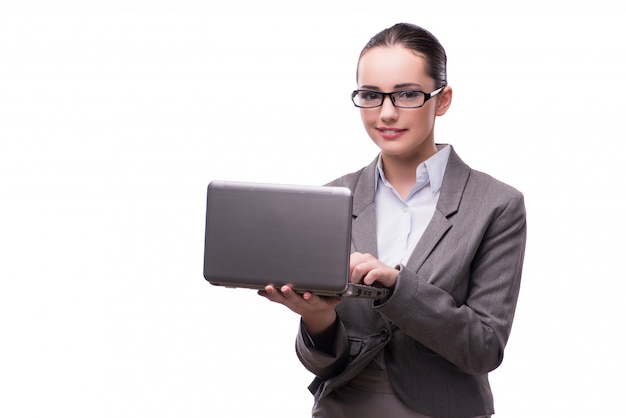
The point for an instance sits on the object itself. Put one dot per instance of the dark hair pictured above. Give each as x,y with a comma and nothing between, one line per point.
419,40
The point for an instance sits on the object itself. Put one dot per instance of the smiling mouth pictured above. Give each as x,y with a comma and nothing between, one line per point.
387,130
390,133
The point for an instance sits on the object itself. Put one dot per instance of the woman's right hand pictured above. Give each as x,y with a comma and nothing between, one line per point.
317,312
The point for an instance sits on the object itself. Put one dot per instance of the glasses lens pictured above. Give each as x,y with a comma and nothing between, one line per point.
408,98
366,98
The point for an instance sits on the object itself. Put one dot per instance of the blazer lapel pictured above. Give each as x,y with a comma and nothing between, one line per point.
454,181
364,237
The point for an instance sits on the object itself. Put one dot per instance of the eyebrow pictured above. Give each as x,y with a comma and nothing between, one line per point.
396,87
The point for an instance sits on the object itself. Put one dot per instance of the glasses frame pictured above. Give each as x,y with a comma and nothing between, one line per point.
427,96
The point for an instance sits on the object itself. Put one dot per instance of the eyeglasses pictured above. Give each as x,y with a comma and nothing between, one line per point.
406,99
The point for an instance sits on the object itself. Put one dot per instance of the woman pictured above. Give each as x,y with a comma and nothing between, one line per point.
448,242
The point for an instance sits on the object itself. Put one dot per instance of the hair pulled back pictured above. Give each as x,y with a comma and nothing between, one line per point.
421,41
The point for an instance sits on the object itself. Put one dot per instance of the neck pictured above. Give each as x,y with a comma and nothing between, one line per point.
400,171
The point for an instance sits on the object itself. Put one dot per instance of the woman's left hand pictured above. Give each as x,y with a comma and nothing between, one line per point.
367,269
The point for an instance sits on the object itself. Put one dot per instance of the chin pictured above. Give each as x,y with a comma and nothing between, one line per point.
391,148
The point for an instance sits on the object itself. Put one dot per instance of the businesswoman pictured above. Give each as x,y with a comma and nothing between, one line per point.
448,241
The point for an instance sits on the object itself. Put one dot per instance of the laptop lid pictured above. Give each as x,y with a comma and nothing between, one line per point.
259,234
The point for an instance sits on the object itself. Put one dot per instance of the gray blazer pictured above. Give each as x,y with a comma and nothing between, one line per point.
448,319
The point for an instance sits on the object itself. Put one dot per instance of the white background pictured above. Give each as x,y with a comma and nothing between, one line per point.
115,115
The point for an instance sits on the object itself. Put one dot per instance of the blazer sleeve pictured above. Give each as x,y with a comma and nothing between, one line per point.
320,363
461,301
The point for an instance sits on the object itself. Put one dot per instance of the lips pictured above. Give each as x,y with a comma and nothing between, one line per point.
390,133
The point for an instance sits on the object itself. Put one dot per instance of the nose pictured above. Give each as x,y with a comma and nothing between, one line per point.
387,110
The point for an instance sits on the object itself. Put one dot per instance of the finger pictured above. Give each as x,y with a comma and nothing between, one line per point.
289,294
356,258
282,295
309,297
371,277
358,273
383,275
298,301
362,268
270,292
315,300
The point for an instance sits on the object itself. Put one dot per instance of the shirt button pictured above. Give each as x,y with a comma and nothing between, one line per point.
405,209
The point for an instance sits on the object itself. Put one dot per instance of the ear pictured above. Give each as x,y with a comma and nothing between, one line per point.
444,100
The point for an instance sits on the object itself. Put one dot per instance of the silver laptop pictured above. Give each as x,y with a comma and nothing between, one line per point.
259,234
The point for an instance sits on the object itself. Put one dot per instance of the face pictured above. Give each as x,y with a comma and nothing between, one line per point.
400,133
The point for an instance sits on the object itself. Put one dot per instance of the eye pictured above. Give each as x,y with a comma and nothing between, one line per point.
409,95
369,96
